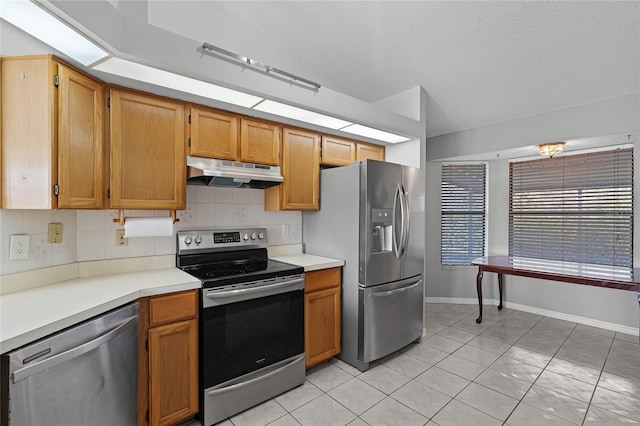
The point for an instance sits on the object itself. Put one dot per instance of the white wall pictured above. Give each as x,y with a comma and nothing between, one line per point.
406,153
90,234
411,103
605,307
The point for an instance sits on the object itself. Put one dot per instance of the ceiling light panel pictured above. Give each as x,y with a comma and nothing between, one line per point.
39,23
372,133
170,80
300,114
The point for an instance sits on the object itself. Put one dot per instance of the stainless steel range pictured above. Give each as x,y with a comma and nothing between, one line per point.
251,328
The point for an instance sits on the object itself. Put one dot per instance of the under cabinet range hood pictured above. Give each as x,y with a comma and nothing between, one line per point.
234,174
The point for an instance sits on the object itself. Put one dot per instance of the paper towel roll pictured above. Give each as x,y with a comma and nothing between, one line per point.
148,227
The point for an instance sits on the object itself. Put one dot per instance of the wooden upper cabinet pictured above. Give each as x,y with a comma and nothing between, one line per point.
337,152
375,152
213,134
52,134
301,172
148,164
80,141
259,142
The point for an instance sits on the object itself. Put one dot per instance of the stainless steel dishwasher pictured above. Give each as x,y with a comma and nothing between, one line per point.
84,375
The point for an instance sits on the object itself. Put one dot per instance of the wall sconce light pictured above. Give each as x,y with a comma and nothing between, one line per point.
550,149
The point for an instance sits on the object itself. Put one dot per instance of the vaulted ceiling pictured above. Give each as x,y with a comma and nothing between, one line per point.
480,62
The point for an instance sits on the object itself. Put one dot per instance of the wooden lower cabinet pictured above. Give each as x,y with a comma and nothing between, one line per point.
322,315
168,359
172,371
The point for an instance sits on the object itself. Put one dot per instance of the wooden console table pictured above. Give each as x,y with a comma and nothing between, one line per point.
577,273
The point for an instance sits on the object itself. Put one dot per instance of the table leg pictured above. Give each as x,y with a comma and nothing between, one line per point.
479,288
500,290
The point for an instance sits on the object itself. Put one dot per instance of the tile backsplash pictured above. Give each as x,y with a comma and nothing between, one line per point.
90,234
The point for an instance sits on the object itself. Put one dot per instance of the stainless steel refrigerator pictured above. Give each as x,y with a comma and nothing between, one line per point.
372,216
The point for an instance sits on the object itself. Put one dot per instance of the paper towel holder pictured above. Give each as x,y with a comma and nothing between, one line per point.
120,218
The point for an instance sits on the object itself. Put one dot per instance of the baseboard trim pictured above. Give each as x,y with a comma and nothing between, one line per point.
634,331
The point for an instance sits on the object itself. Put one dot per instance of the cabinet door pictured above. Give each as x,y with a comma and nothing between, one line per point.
173,363
148,165
375,152
337,152
213,135
259,142
322,325
301,173
80,140
29,115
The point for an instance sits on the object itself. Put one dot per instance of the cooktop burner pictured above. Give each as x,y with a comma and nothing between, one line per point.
220,258
235,268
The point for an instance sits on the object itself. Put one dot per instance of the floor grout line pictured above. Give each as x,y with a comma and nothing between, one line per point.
447,315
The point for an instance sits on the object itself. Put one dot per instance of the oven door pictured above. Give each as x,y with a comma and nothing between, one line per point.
246,329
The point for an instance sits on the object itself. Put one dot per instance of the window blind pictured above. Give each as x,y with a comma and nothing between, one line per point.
576,208
463,213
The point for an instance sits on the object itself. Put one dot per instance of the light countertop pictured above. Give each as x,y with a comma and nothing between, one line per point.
82,292
309,262
26,316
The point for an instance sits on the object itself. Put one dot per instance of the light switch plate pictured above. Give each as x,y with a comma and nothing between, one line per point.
19,247
55,233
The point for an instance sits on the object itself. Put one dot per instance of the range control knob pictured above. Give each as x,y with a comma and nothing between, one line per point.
245,237
253,236
187,240
198,239
260,235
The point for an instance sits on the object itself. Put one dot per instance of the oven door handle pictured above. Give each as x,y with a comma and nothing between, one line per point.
254,380
295,284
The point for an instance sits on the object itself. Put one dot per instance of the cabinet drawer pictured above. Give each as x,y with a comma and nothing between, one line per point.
321,279
173,307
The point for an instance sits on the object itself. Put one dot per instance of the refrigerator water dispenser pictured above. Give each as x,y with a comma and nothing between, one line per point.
382,230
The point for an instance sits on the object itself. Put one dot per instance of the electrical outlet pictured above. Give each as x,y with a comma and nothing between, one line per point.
121,241
55,233
285,229
19,247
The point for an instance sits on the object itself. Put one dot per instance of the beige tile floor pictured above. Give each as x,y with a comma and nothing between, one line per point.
516,368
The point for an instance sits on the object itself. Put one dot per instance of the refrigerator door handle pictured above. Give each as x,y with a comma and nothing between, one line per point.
407,221
403,220
396,291
397,244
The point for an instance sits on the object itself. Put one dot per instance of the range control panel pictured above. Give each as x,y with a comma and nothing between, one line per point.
210,240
